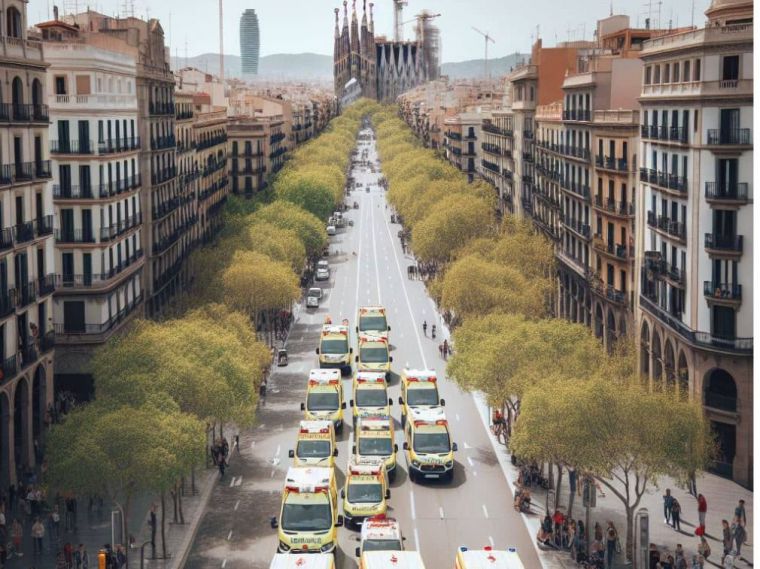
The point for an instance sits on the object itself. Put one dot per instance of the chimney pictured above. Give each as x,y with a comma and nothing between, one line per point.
55,13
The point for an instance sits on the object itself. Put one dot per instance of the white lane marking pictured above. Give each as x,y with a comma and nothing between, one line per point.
411,499
277,452
262,425
470,461
253,444
358,260
485,510
374,251
466,446
490,540
232,482
239,481
416,540
237,505
224,564
271,474
440,511
457,416
406,296
229,535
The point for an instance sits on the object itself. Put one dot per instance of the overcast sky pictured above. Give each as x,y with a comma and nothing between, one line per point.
295,26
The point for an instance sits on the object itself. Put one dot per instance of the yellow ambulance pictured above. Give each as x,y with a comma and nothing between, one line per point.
374,439
324,397
315,445
374,355
366,491
391,560
309,512
372,321
335,349
370,395
428,446
419,390
487,558
304,561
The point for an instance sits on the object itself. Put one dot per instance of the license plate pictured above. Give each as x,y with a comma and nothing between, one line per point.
432,476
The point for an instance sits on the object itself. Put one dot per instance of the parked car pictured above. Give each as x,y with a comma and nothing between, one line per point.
331,230
313,297
323,274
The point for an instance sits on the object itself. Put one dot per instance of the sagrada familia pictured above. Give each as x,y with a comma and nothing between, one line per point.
382,69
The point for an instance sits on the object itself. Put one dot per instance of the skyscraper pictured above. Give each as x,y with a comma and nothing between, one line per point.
249,42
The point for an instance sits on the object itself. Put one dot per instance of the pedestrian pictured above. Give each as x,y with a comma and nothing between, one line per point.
667,502
697,562
38,533
55,524
739,535
424,327
237,442
598,534
675,511
221,468
740,513
3,528
84,556
121,557
446,348
153,523
727,540
60,560
440,350
17,534
704,547
77,558
612,543
701,510
68,555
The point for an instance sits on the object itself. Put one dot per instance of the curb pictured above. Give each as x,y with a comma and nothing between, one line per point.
193,529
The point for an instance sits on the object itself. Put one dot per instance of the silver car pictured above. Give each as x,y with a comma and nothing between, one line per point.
313,297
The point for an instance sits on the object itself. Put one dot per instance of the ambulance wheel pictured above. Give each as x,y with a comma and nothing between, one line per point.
449,476
392,475
412,476
403,420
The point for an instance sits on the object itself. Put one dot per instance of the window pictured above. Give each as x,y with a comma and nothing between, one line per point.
730,68
676,72
648,75
60,85
656,74
666,74
687,70
697,69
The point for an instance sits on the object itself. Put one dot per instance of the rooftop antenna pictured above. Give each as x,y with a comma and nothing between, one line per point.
486,38
221,43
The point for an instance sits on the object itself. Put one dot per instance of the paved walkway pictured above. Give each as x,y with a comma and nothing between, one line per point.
722,497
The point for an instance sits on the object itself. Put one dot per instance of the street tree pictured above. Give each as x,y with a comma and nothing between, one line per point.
278,243
451,223
314,189
311,231
606,428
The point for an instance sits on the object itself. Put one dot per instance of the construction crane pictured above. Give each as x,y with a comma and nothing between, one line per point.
487,39
420,18
398,12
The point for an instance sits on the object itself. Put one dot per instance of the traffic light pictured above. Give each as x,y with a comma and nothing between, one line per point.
102,559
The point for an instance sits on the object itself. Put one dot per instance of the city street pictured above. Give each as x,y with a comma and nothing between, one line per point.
367,267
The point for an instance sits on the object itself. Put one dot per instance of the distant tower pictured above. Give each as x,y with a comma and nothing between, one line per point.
249,43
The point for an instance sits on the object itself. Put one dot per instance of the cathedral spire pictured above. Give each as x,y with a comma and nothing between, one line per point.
345,14
337,30
364,14
371,19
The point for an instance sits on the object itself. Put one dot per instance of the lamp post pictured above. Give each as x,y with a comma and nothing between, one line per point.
142,553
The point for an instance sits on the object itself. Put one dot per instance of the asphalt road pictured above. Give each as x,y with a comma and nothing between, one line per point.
367,267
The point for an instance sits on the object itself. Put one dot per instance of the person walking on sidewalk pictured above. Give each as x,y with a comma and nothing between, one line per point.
739,536
17,534
675,511
667,502
702,510
740,513
38,533
728,540
612,544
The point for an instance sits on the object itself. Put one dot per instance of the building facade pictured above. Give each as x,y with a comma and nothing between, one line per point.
695,223
94,143
249,43
27,279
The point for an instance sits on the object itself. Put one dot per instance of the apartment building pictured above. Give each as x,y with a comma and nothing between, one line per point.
27,279
250,149
210,134
497,162
546,193
94,145
695,212
460,141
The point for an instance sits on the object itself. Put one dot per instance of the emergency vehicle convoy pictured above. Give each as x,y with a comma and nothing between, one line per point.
335,349
366,491
372,321
313,561
309,518
374,355
370,396
315,445
419,390
391,559
324,397
374,439
428,446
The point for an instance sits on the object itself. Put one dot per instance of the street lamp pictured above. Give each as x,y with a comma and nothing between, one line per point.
142,553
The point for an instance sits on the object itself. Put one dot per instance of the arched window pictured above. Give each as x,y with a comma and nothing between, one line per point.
720,390
13,22
36,92
645,349
682,376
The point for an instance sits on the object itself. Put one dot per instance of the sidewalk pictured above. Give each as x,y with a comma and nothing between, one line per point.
722,497
93,529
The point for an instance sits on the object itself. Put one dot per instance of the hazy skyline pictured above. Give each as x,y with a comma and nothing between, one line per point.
296,26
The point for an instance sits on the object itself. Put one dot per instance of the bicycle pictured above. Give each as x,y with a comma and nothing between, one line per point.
499,430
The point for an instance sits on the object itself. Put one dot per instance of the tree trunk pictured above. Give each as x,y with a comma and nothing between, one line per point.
571,501
181,513
163,524
629,532
125,525
550,476
173,494
558,488
192,481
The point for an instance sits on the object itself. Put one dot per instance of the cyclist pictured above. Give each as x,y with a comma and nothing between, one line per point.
424,327
499,422
432,331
